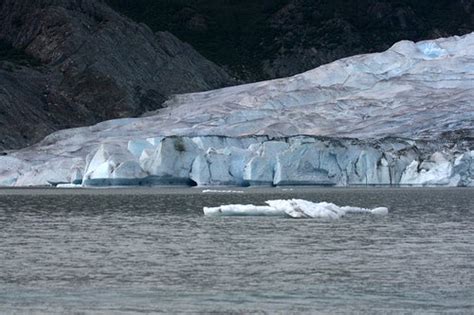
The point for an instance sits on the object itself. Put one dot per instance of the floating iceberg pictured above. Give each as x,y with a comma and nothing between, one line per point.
401,117
223,191
293,208
243,210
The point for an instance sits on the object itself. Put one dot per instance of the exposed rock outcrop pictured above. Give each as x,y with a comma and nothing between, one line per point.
96,65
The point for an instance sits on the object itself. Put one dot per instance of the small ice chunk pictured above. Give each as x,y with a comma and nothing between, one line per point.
68,186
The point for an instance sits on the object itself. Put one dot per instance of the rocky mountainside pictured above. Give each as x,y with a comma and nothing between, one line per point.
68,63
311,33
401,117
262,39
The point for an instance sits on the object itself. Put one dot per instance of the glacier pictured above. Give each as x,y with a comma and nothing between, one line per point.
292,208
400,117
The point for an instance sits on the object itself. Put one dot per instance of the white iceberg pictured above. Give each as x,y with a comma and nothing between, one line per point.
293,208
223,191
243,210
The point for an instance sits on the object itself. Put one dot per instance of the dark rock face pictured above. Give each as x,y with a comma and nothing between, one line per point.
95,65
310,33
266,39
23,112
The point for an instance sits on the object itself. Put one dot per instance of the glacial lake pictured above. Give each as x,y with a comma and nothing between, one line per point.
121,251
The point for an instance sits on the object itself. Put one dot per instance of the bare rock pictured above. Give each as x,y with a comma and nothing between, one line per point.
96,65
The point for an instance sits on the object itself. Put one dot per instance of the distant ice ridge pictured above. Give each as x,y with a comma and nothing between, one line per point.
346,123
293,208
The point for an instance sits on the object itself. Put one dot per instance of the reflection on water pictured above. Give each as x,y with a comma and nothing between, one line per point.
152,250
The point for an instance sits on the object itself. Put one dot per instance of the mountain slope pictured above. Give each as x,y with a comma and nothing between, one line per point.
94,64
404,116
261,39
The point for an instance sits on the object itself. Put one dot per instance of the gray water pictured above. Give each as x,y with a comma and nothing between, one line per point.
152,250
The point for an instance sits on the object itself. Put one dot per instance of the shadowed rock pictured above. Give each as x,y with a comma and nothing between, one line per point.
95,65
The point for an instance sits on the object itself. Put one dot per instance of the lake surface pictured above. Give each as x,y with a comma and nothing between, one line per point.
116,251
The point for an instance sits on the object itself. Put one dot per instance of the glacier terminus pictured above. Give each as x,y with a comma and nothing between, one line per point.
400,117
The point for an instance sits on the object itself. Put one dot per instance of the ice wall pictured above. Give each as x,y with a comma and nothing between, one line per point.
253,161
